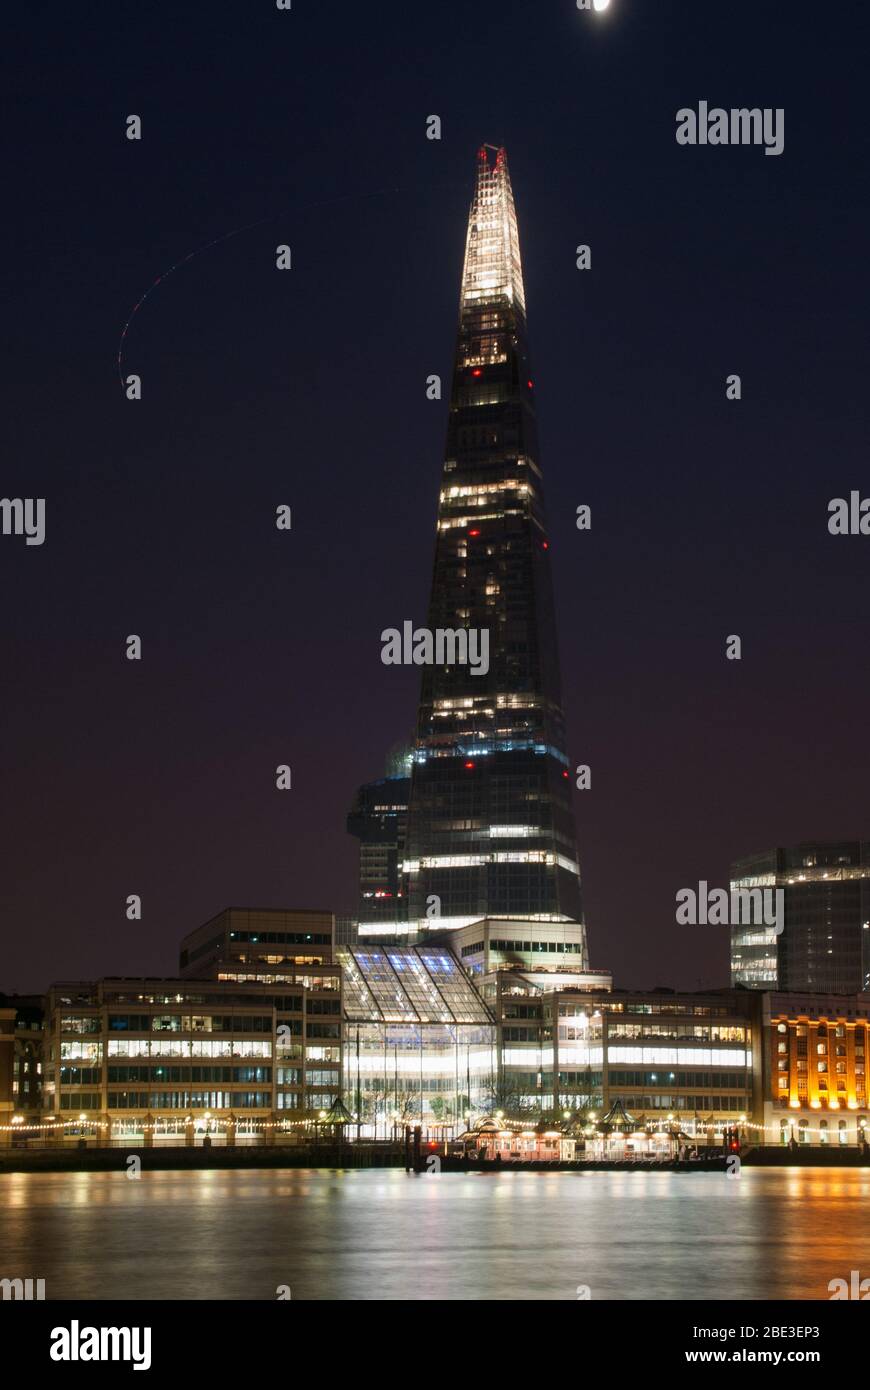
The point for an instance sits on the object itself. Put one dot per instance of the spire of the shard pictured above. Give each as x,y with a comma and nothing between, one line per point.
492,272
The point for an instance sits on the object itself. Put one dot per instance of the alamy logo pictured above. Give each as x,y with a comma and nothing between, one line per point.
740,125
850,518
76,1343
446,646
22,1288
856,1287
716,907
24,516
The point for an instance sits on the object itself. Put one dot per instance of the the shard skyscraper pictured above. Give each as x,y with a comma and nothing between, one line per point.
490,822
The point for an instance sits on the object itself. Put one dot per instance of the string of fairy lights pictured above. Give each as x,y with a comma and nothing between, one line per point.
672,1124
242,1124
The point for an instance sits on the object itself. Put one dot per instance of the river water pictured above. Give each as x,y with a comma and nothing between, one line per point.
771,1233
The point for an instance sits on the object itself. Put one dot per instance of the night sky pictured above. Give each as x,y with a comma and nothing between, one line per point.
307,388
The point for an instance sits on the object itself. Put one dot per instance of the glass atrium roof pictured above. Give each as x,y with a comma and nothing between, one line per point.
408,984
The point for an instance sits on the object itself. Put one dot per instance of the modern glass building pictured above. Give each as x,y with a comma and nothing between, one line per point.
490,822
658,1054
425,1043
824,946
420,1044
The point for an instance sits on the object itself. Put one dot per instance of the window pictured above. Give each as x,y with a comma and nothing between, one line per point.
79,1024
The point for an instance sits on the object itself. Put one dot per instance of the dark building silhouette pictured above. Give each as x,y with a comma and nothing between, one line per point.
258,942
490,822
21,1054
378,819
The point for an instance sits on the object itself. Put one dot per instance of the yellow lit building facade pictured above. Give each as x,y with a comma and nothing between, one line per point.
816,1049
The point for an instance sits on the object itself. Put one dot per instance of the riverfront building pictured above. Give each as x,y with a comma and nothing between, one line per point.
180,1059
428,1040
7,1072
420,1043
815,1050
824,946
660,1054
21,1056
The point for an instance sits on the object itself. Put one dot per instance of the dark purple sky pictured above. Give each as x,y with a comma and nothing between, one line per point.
308,388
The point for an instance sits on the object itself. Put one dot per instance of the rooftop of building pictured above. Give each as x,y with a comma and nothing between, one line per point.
408,984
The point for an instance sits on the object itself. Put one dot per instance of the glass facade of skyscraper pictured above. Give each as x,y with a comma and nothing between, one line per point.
825,942
490,822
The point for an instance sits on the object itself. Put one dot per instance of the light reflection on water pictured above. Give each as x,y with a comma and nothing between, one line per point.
772,1233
